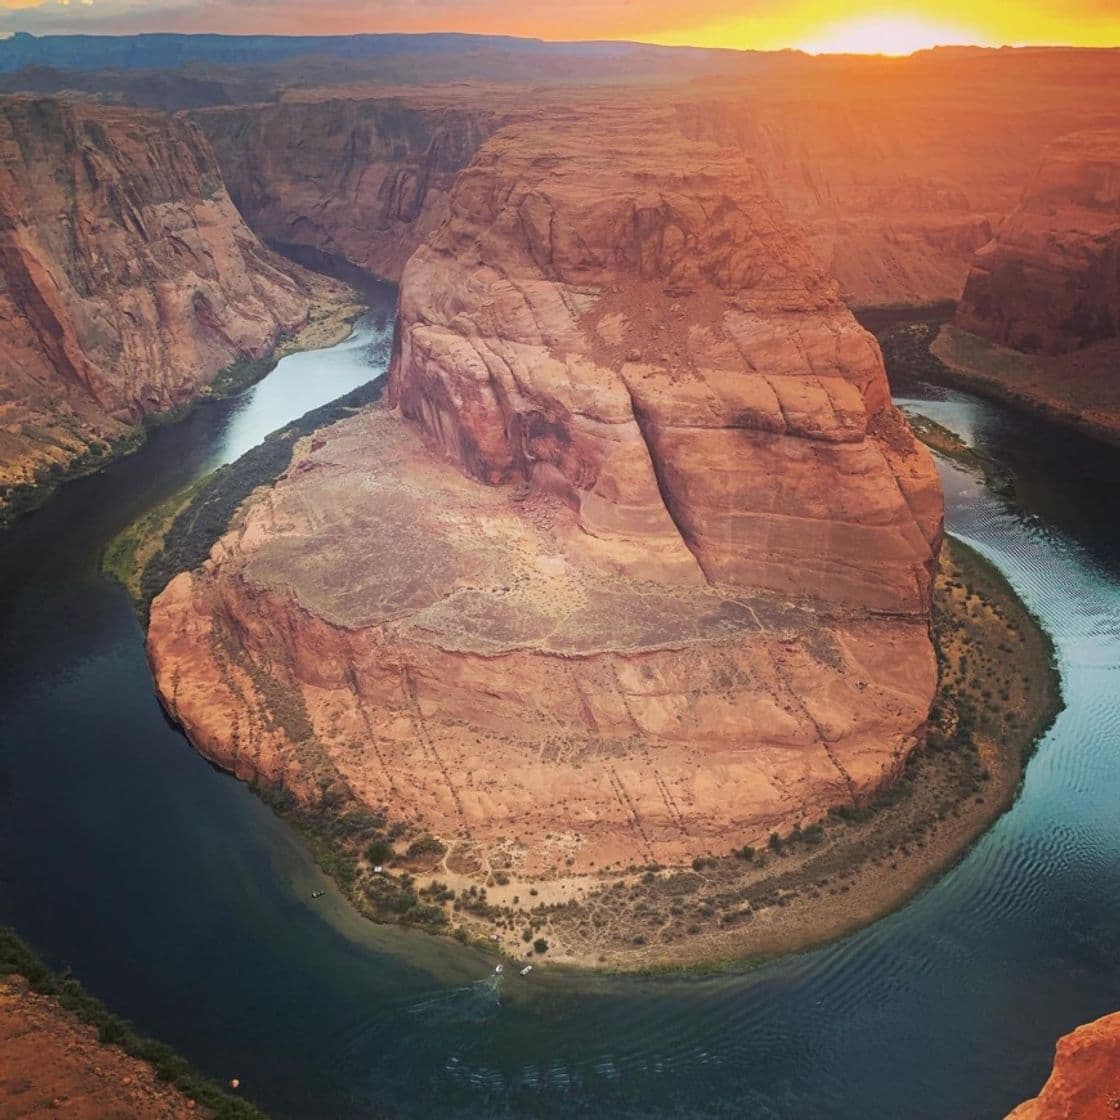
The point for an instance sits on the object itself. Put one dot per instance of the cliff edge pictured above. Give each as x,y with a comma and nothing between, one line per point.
1085,1081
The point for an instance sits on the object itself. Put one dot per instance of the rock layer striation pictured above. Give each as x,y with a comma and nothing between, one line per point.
363,179
1049,282
127,277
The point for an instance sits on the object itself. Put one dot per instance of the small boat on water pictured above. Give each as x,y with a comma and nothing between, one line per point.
318,894
526,970
499,969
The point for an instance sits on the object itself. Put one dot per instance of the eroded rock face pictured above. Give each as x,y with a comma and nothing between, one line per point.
646,335
360,178
638,565
1049,282
127,277
1085,1081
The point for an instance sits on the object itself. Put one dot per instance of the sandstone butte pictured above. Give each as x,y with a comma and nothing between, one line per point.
127,278
634,564
1085,1082
1039,319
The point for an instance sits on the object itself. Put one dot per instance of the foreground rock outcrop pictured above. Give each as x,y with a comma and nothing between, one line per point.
53,1065
1085,1082
637,567
127,278
1040,316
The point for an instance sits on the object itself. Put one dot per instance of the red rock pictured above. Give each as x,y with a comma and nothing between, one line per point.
575,606
1085,1082
1039,321
127,277
52,1063
1049,283
362,179
751,443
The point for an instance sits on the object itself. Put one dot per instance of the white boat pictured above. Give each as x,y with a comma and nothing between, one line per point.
526,970
499,969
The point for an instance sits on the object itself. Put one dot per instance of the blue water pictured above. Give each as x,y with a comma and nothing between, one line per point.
180,900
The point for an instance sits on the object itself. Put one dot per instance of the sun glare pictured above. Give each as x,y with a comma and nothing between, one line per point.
893,35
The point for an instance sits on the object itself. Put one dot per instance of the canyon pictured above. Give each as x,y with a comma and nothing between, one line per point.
698,614
632,568
899,171
361,179
128,280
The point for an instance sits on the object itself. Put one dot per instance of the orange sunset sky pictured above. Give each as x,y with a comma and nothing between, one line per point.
815,25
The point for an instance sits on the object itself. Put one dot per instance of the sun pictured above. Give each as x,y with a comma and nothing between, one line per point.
893,35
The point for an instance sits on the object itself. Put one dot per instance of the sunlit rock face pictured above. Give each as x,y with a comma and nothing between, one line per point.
1085,1081
640,330
127,277
635,562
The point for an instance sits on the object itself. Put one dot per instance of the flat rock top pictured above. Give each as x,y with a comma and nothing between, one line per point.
371,529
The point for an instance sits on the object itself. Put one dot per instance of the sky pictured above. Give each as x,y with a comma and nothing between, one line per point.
816,25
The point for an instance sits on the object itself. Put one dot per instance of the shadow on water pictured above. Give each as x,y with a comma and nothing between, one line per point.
179,899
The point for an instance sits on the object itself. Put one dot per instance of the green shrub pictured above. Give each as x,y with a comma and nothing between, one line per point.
426,846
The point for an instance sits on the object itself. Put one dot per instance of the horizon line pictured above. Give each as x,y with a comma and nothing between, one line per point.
7,36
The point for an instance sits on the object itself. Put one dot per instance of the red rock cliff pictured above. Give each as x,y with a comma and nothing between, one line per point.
361,178
1049,282
640,329
1039,321
1085,1082
127,277
900,169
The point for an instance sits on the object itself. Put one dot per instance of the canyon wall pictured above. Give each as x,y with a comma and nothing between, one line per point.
360,178
127,278
1085,1081
1049,282
607,328
901,169
636,567
1039,321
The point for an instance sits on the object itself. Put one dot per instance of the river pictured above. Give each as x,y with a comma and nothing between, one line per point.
180,900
